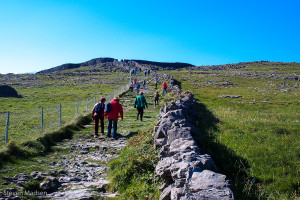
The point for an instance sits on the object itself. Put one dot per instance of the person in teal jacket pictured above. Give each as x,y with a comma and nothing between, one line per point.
140,103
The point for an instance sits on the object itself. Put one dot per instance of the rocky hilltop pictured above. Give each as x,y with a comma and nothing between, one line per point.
98,61
125,63
92,62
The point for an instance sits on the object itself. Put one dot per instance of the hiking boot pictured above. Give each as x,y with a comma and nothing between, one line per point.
115,138
95,136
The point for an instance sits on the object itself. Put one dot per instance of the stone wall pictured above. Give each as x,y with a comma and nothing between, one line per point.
186,172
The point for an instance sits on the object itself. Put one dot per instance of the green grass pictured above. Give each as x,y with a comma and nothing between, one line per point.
132,174
254,139
85,84
66,86
137,160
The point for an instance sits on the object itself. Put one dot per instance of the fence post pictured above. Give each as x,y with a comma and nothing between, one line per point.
7,124
60,114
87,105
42,117
77,105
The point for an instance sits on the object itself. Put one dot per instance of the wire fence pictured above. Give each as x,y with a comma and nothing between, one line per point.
20,126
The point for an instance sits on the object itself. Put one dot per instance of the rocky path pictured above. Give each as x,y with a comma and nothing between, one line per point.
77,168
84,172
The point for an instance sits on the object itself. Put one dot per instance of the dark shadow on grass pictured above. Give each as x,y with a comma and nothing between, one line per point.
176,82
131,134
236,168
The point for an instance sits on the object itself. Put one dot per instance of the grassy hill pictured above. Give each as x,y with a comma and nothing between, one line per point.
61,86
81,87
250,123
249,115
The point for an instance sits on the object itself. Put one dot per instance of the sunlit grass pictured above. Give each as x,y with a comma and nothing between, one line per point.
261,127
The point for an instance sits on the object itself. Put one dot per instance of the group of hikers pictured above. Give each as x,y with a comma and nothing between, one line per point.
135,84
112,110
138,69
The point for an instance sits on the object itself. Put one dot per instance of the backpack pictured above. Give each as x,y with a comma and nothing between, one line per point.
155,96
108,108
99,109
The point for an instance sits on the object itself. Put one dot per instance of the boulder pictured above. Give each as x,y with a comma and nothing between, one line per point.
50,185
207,180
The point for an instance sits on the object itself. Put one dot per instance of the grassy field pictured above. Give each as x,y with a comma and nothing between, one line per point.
249,120
85,85
132,173
64,86
254,136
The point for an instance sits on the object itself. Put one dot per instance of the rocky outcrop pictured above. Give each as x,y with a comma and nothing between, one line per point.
92,62
160,65
186,172
8,91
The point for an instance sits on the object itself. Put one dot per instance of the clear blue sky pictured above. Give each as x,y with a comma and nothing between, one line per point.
40,34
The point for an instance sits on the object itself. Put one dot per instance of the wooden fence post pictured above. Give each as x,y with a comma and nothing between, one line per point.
60,114
7,124
42,119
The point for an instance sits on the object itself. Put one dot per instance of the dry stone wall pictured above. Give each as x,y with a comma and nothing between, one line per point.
186,172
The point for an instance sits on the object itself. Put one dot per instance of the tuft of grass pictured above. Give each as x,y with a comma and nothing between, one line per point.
132,174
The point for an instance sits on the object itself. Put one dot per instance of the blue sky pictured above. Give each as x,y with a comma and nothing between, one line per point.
37,35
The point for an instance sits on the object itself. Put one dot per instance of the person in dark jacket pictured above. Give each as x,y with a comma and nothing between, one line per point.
138,87
156,98
98,114
140,103
113,117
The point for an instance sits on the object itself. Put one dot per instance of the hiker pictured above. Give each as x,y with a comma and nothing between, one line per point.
140,103
156,83
145,72
156,98
98,114
112,110
134,82
137,87
131,86
165,87
148,72
144,84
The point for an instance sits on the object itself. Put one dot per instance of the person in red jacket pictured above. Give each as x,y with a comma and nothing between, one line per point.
113,117
164,88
